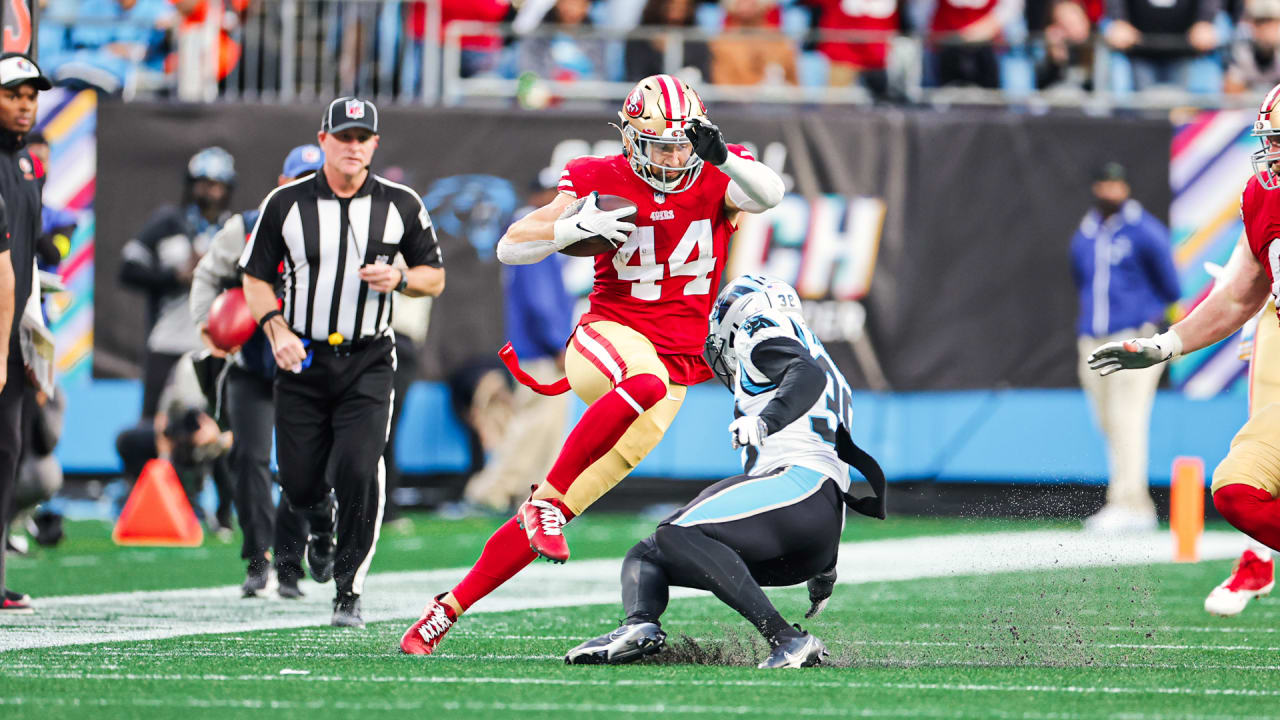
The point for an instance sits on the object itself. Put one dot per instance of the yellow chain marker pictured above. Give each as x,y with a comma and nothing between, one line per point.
336,338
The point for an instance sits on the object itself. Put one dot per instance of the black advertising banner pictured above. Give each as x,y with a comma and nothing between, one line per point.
931,247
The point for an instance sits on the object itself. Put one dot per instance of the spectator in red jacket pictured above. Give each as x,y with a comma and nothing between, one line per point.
861,59
479,52
966,32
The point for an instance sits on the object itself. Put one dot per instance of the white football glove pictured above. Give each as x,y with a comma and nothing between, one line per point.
1135,353
591,221
748,430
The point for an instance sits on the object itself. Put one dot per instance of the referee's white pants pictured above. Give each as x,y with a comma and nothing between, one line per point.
1122,407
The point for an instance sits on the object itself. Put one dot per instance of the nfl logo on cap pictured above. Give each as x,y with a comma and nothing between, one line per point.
350,112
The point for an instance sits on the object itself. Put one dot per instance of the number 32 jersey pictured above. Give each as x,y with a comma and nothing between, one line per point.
809,441
1260,210
662,281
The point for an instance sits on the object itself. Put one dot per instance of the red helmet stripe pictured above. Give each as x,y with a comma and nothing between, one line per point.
685,106
1269,104
668,86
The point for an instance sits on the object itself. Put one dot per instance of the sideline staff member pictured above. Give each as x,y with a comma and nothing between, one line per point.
21,179
336,235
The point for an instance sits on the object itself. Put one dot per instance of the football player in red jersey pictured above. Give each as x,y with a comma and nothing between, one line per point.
640,344
1247,481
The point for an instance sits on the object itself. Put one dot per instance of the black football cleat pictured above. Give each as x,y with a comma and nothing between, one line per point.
255,580
346,611
803,650
626,644
288,586
321,550
46,528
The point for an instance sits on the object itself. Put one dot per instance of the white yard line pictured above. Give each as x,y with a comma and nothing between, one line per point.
624,709
89,619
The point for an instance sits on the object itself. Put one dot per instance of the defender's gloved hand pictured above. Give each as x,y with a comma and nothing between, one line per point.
1136,353
708,143
748,430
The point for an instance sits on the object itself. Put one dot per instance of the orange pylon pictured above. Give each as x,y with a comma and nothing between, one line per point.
157,511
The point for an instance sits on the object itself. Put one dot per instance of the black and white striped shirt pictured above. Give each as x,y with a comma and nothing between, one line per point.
317,242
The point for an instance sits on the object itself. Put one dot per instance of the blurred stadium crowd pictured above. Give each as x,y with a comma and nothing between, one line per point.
1199,51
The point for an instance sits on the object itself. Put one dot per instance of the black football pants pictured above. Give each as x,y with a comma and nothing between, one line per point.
331,426
10,442
783,546
251,416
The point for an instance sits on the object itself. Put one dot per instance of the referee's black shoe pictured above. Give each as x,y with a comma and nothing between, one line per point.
288,586
346,611
321,550
255,580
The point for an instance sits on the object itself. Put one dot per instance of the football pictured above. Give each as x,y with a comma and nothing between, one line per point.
230,322
596,245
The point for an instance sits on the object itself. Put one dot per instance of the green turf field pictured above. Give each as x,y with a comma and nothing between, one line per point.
1123,641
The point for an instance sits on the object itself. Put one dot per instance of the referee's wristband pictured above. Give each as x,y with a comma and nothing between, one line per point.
267,318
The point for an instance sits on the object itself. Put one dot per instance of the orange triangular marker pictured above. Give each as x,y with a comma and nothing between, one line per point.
157,511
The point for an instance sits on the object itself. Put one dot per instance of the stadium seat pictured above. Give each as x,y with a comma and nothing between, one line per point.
710,17
813,69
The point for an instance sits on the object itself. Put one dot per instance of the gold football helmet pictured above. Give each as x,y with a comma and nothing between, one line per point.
1267,129
654,115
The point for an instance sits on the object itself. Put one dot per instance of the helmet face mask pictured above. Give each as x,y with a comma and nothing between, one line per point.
653,118
1267,129
742,298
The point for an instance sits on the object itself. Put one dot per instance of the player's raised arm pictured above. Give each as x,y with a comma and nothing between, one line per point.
1235,298
754,187
544,231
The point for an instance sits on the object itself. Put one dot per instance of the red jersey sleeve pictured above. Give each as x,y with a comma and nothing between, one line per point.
741,151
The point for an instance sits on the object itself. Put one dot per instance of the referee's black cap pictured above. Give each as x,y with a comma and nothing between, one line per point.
349,112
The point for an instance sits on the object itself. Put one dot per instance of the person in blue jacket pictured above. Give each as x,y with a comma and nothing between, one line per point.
1123,269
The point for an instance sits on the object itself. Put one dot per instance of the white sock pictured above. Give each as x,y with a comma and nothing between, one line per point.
1262,551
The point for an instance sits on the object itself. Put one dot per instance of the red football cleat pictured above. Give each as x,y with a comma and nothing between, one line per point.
1251,577
15,603
423,636
543,520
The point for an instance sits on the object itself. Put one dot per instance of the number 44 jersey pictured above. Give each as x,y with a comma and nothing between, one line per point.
809,441
1260,210
662,281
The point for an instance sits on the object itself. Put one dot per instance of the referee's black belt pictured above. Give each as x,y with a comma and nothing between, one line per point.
349,347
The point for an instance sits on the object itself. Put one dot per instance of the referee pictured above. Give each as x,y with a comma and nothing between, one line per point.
333,237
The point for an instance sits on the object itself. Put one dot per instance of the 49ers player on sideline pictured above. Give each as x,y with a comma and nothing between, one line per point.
640,344
1247,481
